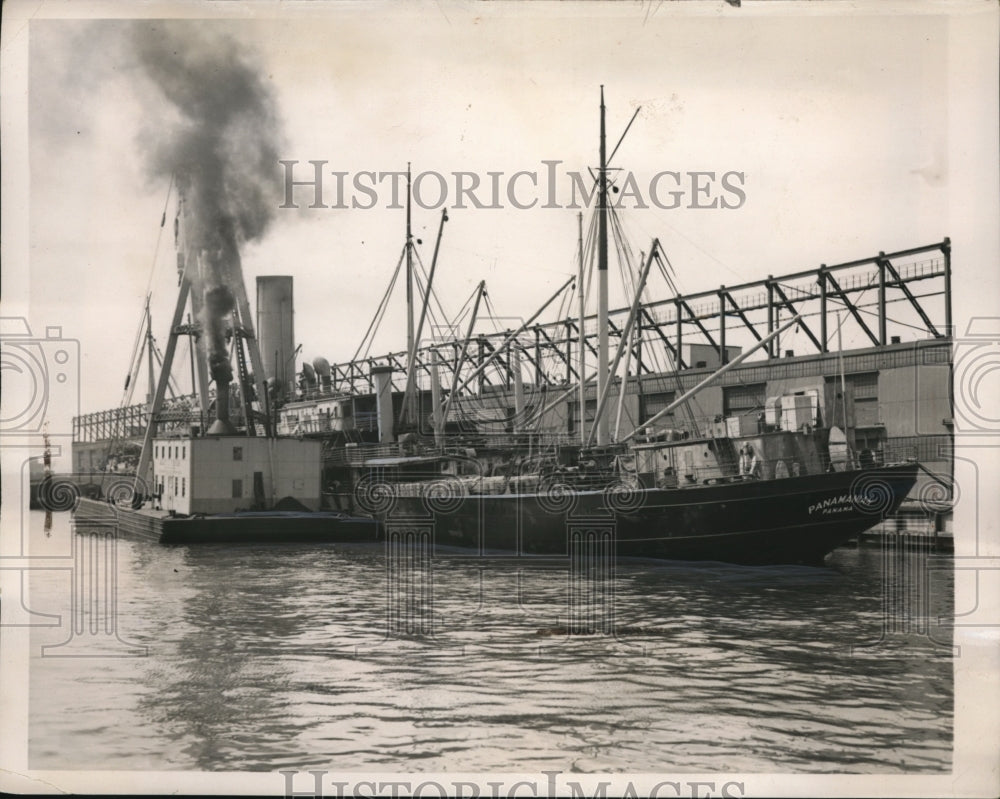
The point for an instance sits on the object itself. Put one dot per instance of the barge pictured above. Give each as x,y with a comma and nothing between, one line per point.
167,527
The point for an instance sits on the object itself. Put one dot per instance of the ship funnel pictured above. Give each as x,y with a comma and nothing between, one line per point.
276,329
222,426
383,403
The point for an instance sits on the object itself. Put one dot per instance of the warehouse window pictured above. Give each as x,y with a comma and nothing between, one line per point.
740,400
237,453
237,489
866,413
865,386
652,404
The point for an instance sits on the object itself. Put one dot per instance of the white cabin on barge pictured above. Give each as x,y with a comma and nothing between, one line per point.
222,474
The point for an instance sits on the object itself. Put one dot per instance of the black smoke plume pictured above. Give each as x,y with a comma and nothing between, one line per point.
217,135
219,303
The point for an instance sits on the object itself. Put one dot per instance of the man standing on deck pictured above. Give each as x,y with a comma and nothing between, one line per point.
754,468
744,460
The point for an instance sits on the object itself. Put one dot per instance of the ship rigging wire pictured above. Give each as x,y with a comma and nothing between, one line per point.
466,308
134,362
379,312
434,294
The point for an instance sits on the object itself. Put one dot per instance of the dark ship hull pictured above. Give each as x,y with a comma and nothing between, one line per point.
789,520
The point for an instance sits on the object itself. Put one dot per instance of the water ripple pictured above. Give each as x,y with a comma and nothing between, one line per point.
263,658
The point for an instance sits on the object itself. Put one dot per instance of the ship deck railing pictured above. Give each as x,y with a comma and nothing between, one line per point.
466,445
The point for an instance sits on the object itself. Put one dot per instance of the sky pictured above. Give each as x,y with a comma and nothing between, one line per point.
851,134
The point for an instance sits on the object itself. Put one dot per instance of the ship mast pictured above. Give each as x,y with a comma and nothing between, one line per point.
601,422
407,412
582,355
410,405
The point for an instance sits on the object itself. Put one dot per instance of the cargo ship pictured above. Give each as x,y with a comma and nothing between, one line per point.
792,520
372,468
788,491
785,496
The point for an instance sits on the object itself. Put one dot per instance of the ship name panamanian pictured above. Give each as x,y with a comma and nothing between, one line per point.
843,503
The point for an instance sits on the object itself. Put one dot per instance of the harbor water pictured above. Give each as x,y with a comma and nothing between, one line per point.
354,658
